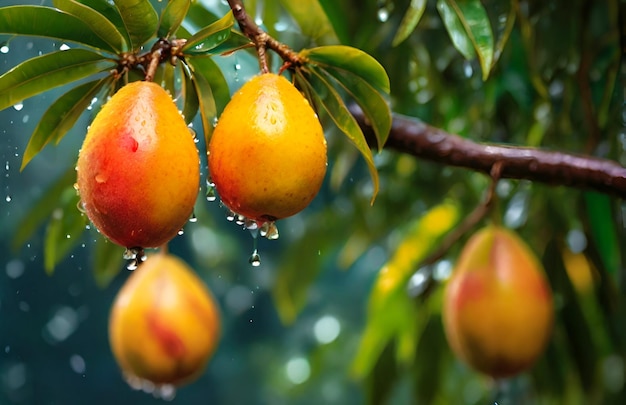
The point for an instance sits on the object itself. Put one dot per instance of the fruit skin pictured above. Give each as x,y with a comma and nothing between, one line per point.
164,324
138,169
267,155
497,308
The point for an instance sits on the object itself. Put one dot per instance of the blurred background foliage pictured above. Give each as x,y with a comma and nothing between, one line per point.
318,321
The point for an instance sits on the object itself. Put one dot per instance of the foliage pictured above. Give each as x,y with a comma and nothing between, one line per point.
548,74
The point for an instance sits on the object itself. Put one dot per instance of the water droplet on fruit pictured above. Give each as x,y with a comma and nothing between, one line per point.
269,230
255,259
230,216
251,224
240,219
100,178
81,206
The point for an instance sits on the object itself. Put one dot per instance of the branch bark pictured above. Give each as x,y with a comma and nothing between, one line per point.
410,135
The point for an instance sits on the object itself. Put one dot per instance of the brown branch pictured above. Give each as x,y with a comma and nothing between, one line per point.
261,39
410,135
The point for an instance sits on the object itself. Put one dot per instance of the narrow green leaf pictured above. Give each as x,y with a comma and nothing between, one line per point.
108,260
502,31
51,23
353,60
372,103
61,116
325,95
602,229
205,67
388,297
100,25
312,20
140,20
63,231
469,28
172,16
410,20
201,69
208,38
43,208
42,73
190,97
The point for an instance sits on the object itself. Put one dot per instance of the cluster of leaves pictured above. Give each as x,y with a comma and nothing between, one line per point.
110,51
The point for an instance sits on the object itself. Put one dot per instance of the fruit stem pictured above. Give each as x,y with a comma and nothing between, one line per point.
262,40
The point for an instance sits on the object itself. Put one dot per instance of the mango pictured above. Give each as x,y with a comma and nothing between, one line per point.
164,324
138,171
497,307
267,155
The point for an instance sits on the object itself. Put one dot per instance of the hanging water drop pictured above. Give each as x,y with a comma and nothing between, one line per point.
255,259
181,231
251,224
240,219
193,218
230,216
18,106
272,231
132,265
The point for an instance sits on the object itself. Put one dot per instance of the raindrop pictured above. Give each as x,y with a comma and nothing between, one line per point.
255,258
237,66
166,392
269,230
210,194
135,257
230,216
383,14
251,225
18,106
4,48
240,219
181,231
8,198
64,47
193,218
194,135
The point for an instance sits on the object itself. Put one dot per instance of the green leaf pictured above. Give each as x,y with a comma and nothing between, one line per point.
325,95
410,20
190,95
172,16
469,28
389,302
100,25
208,38
312,20
43,208
63,231
212,90
353,60
52,23
42,73
108,260
197,18
61,117
602,229
372,103
140,20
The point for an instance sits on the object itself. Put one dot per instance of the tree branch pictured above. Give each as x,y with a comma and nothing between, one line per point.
410,135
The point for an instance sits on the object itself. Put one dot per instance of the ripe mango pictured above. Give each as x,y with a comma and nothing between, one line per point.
267,155
138,169
497,308
164,324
